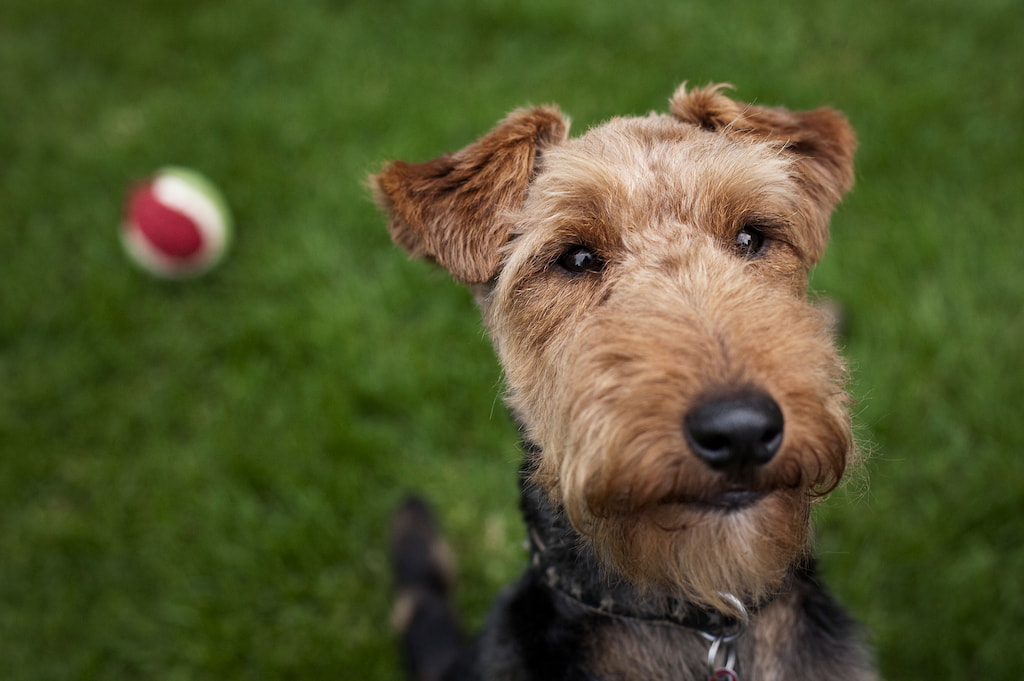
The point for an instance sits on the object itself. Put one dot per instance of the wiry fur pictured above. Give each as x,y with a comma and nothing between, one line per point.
603,367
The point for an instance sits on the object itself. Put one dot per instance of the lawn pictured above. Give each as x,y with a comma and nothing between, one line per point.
195,477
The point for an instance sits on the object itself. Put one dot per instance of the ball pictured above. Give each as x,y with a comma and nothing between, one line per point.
176,224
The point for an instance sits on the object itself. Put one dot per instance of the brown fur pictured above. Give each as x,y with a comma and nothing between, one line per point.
601,368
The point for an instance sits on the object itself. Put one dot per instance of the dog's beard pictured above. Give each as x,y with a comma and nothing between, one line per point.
704,554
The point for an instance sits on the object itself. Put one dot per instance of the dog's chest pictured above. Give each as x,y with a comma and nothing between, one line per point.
629,651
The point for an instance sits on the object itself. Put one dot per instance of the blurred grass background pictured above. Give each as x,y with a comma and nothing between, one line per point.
195,478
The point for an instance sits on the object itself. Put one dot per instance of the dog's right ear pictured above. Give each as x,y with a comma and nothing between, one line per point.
452,209
820,142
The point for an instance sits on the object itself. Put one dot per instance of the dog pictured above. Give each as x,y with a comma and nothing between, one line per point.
681,401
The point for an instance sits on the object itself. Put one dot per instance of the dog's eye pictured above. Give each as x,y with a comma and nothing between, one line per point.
750,242
580,259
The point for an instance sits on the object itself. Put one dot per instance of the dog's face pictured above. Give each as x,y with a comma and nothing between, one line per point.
636,279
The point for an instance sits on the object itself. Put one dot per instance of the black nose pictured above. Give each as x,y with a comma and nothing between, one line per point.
735,432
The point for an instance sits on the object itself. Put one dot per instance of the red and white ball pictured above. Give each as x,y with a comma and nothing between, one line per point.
177,224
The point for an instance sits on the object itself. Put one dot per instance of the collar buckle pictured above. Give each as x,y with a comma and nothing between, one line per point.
722,646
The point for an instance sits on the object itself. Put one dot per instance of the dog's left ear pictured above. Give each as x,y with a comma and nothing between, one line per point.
821,141
451,209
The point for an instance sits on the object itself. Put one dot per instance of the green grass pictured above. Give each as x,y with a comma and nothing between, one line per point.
195,478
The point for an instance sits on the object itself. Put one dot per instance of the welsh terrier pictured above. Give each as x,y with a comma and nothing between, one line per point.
680,399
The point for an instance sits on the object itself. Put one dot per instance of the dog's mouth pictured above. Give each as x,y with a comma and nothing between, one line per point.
728,501
733,500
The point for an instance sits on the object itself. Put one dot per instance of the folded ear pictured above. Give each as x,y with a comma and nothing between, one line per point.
821,141
452,209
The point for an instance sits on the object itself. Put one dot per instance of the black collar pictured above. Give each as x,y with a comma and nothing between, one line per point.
566,563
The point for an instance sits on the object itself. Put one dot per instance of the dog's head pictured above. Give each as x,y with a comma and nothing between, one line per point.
644,286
